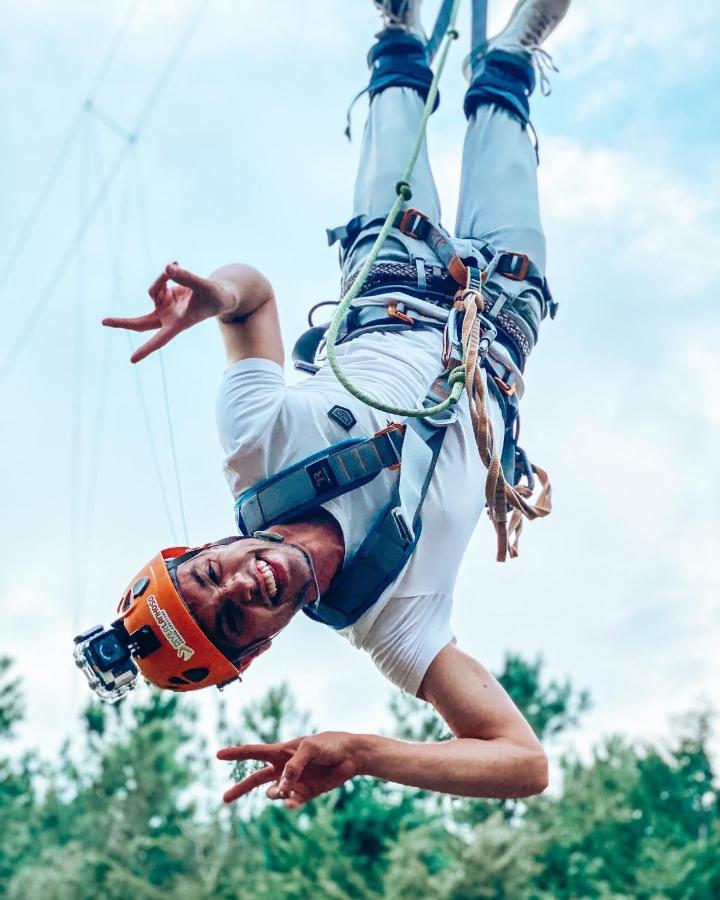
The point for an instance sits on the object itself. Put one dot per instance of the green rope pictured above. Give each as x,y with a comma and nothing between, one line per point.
404,194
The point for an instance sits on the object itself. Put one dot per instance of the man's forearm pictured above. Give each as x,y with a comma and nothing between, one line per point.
464,766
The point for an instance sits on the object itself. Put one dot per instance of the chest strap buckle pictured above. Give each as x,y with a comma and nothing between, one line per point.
410,223
514,266
395,439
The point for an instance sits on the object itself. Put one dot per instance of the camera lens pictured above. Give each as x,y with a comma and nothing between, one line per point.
108,650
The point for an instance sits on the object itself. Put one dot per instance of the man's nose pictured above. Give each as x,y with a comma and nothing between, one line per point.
238,586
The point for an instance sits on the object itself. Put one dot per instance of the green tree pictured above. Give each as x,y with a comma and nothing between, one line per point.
118,817
635,821
129,811
17,777
553,707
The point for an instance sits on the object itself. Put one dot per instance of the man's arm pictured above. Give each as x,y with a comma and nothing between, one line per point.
494,753
238,295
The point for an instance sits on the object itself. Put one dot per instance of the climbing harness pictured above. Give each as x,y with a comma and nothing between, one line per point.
472,322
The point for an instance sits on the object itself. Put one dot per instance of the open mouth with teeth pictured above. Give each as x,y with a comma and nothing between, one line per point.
267,581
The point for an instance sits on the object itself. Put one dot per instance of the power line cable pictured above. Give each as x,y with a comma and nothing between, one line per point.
94,110
145,410
115,239
78,356
56,167
173,451
115,45
180,48
65,259
144,235
145,231
100,195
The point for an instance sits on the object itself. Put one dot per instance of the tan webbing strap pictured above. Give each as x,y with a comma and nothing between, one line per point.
498,493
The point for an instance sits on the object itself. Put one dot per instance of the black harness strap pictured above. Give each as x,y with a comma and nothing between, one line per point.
395,532
316,479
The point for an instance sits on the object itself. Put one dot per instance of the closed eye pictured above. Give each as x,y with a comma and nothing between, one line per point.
229,621
212,574
198,577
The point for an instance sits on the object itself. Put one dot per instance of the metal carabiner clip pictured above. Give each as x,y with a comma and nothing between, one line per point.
488,333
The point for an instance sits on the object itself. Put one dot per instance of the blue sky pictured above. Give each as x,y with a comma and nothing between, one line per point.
243,158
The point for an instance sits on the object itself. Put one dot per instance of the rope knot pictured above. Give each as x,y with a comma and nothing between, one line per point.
457,375
469,297
402,189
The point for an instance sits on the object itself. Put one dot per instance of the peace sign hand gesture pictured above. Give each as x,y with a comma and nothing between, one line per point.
297,770
178,307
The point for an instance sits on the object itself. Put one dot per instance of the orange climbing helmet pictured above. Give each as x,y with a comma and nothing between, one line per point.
157,634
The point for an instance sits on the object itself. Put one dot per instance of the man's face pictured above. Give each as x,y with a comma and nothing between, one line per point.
247,590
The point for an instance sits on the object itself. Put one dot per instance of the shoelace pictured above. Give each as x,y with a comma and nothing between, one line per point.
543,63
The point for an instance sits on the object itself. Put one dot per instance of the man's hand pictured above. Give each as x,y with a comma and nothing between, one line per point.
494,753
297,770
178,307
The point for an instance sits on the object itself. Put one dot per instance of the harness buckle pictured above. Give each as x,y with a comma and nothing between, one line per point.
508,389
411,220
390,427
399,314
405,532
519,265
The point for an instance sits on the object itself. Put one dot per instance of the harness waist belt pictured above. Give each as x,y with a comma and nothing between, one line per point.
432,280
386,277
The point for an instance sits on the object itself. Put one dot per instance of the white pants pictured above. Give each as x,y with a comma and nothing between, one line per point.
498,190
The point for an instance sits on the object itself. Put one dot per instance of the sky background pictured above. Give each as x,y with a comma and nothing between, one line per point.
242,158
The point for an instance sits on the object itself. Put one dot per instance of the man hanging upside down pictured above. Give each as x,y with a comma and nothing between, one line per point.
328,532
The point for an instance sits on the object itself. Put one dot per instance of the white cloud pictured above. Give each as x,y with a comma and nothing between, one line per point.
596,32
267,30
658,224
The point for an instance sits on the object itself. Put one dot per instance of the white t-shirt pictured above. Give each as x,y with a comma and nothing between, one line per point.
265,425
